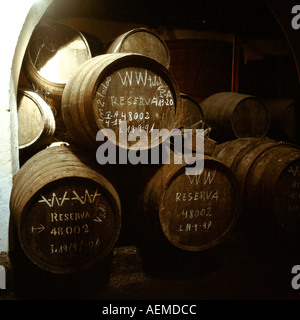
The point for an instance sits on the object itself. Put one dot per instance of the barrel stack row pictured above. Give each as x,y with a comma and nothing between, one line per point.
67,209
267,170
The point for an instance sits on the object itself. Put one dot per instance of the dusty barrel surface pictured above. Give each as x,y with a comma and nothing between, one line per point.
54,52
113,90
195,212
235,115
269,176
67,216
284,116
143,41
36,123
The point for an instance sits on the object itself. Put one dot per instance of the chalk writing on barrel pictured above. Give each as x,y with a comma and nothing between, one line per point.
83,199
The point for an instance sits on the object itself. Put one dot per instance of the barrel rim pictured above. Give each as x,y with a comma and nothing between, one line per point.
121,38
55,88
48,115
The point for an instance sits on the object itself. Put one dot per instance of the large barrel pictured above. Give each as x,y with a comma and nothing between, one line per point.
54,52
269,177
194,212
112,89
143,41
234,115
36,123
284,117
66,215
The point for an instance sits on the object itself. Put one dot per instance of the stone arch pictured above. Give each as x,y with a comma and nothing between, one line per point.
18,18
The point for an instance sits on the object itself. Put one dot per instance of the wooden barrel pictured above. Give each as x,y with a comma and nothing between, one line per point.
234,115
269,177
284,117
54,52
194,212
36,123
143,41
67,216
191,113
112,89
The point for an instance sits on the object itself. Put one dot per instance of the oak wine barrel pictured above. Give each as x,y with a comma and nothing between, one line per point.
191,118
36,123
269,178
54,52
191,113
113,88
234,115
284,117
195,212
142,41
67,216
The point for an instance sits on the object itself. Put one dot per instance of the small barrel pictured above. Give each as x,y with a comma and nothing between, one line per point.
54,52
36,123
234,115
191,113
269,177
142,41
67,216
194,212
284,117
117,89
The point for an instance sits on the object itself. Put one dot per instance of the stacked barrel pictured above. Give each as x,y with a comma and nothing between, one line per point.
66,207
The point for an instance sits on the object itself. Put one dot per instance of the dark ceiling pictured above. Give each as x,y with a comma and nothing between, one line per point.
247,19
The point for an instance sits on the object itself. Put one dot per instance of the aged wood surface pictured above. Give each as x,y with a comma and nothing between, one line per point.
54,52
67,216
116,88
195,212
268,174
284,115
143,41
36,123
234,115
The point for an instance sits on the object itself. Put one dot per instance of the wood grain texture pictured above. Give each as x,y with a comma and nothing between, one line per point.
268,175
36,123
142,41
284,116
235,115
191,113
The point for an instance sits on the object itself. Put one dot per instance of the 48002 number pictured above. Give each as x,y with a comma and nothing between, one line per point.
60,231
